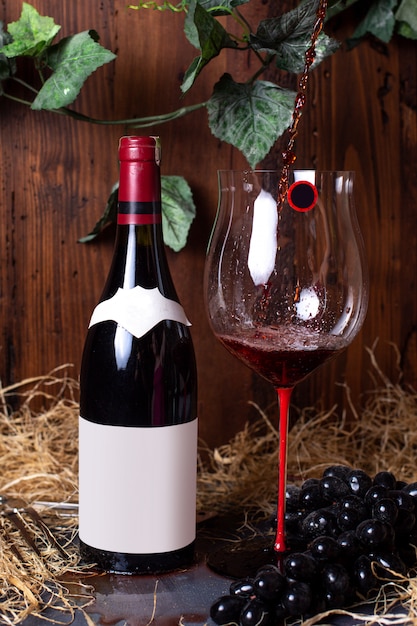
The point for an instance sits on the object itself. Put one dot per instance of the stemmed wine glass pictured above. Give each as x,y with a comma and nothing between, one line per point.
286,285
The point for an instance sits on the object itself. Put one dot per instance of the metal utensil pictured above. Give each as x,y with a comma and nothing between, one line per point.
17,511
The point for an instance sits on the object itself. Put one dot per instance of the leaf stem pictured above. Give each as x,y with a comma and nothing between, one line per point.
15,99
265,62
137,122
143,4
24,84
240,19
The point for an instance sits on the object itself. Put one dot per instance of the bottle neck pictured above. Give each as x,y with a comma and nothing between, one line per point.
139,193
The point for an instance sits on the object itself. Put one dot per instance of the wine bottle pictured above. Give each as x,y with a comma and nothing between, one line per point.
138,425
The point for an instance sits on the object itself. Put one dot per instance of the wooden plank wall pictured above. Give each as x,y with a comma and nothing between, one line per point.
56,174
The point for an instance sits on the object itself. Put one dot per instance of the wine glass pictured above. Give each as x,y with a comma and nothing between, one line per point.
286,285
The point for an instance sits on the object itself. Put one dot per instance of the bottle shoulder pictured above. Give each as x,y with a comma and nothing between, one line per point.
144,381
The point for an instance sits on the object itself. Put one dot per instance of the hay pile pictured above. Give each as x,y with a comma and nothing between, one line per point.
38,461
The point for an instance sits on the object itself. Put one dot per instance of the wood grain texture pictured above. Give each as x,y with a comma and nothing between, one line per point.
56,174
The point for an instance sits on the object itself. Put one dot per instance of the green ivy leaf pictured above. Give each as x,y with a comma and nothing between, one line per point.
251,117
207,34
32,33
178,211
72,60
379,21
289,36
291,56
406,17
7,66
274,32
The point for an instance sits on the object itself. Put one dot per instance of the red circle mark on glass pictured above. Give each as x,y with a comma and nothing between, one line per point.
302,195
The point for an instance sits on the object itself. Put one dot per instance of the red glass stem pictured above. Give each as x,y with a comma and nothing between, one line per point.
284,397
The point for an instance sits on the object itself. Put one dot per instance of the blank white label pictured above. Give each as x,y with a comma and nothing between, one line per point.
138,310
137,487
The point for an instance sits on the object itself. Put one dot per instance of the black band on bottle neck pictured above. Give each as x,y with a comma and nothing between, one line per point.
139,213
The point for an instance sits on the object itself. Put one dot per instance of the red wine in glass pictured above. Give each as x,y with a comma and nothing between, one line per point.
275,359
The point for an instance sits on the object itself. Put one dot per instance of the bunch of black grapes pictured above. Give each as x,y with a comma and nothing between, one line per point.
353,534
